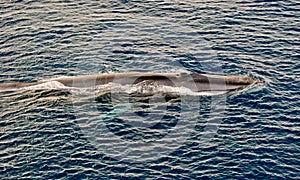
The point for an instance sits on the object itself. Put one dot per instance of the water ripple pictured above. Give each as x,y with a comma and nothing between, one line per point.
258,137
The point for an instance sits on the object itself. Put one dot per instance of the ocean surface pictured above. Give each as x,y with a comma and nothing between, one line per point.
86,134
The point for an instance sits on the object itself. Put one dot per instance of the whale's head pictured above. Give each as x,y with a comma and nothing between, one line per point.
203,82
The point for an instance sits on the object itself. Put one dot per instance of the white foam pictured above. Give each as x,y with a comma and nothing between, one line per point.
47,85
151,89
143,88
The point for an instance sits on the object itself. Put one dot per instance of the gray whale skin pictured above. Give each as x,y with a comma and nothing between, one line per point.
194,81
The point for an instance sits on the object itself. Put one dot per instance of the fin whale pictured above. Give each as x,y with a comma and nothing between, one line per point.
193,81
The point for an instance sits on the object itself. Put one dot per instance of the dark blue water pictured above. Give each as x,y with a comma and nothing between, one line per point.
57,134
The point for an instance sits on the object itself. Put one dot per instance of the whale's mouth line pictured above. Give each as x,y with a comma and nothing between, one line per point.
148,83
